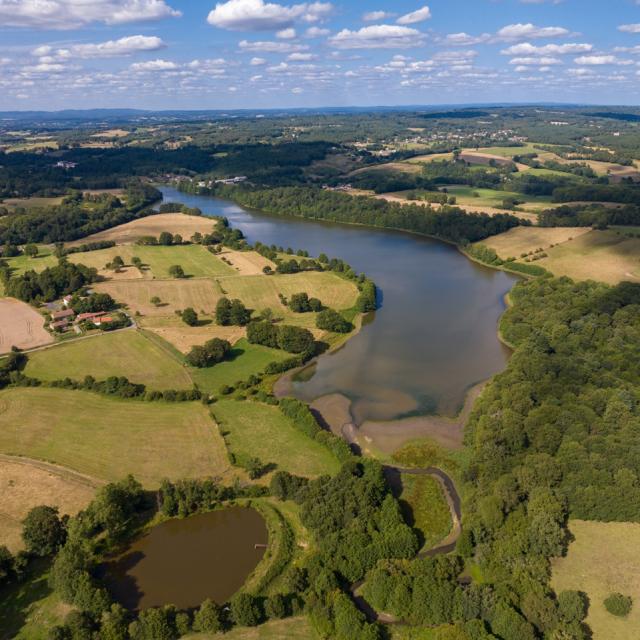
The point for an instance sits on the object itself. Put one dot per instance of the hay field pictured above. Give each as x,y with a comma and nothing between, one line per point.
597,255
521,240
24,485
603,558
202,294
153,225
183,338
246,263
259,430
124,353
109,438
195,259
21,326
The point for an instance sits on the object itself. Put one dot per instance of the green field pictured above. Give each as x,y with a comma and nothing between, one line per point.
125,353
247,359
494,198
195,259
23,263
507,152
108,438
426,508
261,431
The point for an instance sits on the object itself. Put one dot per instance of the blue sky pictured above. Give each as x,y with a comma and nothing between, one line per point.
197,54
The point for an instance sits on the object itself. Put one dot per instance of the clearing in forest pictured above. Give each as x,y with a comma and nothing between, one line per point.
604,558
109,438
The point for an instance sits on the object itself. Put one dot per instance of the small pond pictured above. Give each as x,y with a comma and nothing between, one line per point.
184,562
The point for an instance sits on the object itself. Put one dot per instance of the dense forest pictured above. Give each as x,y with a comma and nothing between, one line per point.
449,223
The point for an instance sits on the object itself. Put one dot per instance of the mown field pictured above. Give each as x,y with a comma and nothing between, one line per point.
494,198
21,326
604,558
195,260
597,255
107,438
519,240
247,360
125,353
258,430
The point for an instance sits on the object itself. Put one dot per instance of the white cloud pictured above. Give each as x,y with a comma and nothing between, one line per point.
297,90
271,47
316,32
533,61
529,31
112,48
376,16
286,34
600,60
301,57
381,36
528,49
258,15
154,65
415,16
629,28
258,62
71,14
464,39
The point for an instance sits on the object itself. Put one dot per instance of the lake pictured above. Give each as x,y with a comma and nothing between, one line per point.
185,561
435,334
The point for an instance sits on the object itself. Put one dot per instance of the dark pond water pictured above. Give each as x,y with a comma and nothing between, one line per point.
433,337
184,562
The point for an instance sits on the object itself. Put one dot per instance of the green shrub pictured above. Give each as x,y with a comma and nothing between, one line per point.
618,605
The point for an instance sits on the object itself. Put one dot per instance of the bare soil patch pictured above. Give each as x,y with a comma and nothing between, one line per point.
21,326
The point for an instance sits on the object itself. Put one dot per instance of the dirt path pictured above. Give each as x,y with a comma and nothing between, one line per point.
55,469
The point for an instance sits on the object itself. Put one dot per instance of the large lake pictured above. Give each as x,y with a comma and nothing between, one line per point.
435,334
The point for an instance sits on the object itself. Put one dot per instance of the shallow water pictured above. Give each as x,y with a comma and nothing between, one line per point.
184,562
435,334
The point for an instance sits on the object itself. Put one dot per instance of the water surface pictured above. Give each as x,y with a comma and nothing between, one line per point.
434,335
184,562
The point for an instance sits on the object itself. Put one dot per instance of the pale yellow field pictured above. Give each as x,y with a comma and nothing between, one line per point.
153,225
201,294
183,338
25,484
604,558
597,255
108,438
434,157
247,263
521,240
21,326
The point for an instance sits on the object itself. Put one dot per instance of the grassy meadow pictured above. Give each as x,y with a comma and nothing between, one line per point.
258,430
109,438
125,353
604,558
519,240
247,360
426,508
288,629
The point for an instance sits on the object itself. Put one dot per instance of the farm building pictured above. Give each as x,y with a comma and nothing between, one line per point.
62,315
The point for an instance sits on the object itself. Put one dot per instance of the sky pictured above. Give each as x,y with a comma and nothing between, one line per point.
260,54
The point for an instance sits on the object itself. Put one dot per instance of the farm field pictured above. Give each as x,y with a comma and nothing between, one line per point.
248,359
262,431
23,263
194,259
426,508
30,203
521,240
124,353
21,326
246,263
183,338
24,485
597,255
202,294
494,198
109,438
604,558
152,225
